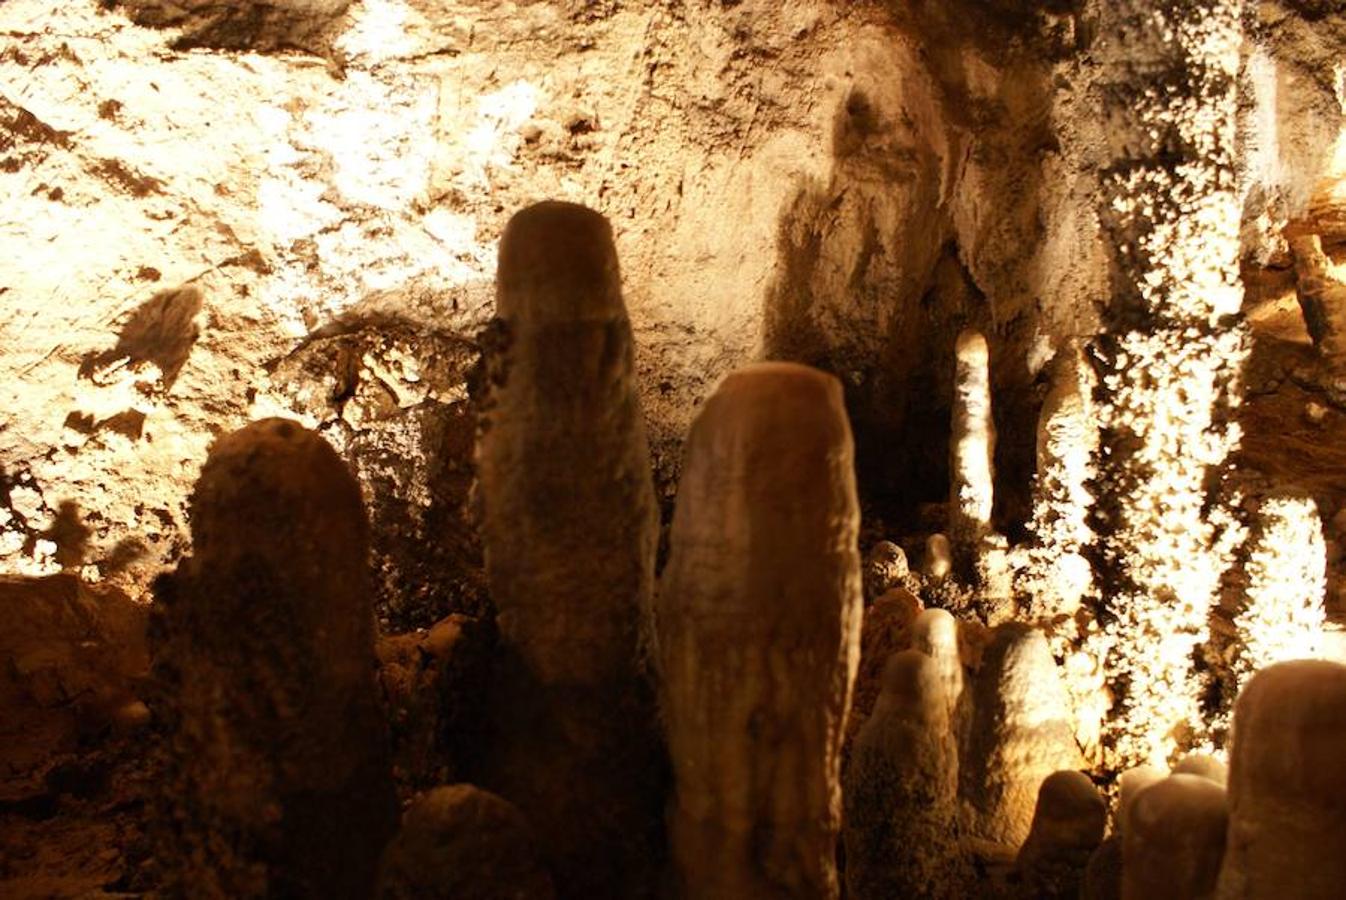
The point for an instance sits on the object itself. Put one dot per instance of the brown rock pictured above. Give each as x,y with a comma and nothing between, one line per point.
1287,787
278,778
570,532
1174,840
1068,826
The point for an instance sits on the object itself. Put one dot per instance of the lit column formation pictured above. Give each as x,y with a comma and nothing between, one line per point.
279,780
1171,355
971,450
570,530
759,616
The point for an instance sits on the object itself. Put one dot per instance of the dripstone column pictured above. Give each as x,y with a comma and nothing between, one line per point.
570,531
278,781
759,633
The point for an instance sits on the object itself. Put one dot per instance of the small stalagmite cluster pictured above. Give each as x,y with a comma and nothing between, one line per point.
773,718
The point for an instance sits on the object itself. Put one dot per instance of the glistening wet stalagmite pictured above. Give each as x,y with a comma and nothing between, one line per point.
570,529
279,782
759,630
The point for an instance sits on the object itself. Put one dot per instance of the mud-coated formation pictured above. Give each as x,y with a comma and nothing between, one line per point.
901,790
759,633
1174,840
462,843
278,781
570,529
1287,787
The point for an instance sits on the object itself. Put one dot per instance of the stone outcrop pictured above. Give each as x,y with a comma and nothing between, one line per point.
570,530
1068,826
1020,733
759,635
278,777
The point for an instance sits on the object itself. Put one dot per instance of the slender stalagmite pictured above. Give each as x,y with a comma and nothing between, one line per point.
278,780
1169,359
759,632
1287,785
570,530
971,450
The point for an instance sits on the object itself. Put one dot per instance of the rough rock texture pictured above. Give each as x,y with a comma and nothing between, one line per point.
1174,840
1068,826
1287,792
462,843
759,619
72,662
900,791
570,531
278,780
1019,734
435,686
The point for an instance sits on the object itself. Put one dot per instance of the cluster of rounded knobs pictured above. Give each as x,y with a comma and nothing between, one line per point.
683,738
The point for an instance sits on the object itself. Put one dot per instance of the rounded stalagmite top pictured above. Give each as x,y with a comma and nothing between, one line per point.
911,680
971,347
266,478
558,263
781,396
1289,724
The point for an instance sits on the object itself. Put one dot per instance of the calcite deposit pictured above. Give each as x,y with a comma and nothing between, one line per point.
759,636
1049,296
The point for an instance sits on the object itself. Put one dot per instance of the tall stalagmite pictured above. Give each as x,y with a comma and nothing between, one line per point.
279,782
570,530
759,632
971,450
1171,353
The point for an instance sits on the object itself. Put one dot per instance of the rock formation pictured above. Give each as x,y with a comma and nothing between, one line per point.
570,528
279,781
759,631
1068,826
971,449
1174,840
901,790
935,633
1287,788
885,568
462,843
1020,733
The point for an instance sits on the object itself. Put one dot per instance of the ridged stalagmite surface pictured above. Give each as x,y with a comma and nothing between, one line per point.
1287,786
901,790
1020,734
759,628
462,843
570,528
279,780
1174,840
